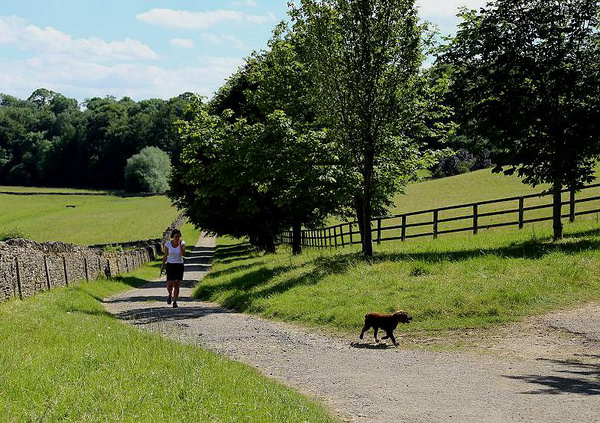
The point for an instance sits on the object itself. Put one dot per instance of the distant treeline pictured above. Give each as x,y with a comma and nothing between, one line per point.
51,140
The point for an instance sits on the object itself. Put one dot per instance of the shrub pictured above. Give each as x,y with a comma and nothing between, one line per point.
148,171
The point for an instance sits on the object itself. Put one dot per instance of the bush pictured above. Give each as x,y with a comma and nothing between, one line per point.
461,162
148,171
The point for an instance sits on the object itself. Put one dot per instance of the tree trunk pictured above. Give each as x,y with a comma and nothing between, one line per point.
557,209
296,238
358,207
269,244
367,238
266,242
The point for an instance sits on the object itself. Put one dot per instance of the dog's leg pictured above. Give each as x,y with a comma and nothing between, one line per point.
366,328
375,329
391,336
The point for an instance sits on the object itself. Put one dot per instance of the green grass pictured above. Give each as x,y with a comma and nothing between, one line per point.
92,220
451,283
63,358
470,188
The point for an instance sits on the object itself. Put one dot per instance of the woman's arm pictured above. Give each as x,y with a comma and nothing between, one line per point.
182,247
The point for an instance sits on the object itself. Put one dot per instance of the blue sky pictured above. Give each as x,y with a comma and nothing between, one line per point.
143,48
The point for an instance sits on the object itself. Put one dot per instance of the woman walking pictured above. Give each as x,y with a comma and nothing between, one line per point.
173,252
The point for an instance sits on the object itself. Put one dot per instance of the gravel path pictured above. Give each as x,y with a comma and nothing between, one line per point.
544,370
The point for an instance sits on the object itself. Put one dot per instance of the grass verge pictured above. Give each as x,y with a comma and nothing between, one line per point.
63,358
452,283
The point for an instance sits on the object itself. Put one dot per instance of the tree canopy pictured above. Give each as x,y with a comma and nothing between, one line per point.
528,76
364,59
254,161
51,140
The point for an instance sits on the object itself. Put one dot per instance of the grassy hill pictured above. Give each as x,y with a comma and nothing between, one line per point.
83,219
452,283
469,187
447,284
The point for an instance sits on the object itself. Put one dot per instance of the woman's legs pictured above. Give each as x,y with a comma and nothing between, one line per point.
170,290
176,292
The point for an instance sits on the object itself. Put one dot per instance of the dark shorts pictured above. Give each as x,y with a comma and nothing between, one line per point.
174,271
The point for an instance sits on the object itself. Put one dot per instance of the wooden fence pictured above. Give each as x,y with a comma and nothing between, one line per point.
471,217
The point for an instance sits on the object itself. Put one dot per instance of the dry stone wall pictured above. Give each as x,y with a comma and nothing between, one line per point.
28,267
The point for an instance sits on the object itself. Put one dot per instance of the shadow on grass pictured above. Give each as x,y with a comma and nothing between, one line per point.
234,269
531,249
223,253
573,378
133,281
243,291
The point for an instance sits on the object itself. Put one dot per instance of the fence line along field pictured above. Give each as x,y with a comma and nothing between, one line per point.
83,219
438,208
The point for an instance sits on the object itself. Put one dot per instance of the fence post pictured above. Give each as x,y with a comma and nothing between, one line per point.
342,233
18,278
475,218
335,236
403,234
379,231
435,224
572,206
350,231
65,269
47,272
521,212
87,276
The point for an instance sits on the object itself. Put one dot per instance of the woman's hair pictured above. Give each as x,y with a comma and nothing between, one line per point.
175,232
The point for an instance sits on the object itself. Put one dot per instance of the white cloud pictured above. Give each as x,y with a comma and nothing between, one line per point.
50,41
446,8
230,40
250,3
169,18
81,79
182,43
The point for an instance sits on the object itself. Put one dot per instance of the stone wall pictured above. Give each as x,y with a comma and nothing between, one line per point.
28,267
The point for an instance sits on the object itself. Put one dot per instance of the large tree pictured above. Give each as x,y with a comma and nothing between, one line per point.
253,157
364,58
527,73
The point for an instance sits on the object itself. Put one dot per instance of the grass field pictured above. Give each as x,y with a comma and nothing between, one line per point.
450,283
63,358
465,189
84,219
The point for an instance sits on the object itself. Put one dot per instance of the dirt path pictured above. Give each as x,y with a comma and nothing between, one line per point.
543,370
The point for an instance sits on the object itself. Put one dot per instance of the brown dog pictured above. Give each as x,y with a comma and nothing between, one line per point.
386,322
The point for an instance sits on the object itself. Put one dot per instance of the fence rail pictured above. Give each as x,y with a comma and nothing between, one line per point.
511,211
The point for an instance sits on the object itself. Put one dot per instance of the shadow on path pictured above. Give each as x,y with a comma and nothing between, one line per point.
574,378
165,313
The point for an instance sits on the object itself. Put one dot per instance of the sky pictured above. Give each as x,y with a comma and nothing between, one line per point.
144,48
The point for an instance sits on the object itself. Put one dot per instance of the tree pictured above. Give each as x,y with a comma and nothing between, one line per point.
256,149
217,181
148,171
528,74
364,58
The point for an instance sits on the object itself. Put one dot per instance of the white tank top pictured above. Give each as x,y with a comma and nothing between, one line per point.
174,252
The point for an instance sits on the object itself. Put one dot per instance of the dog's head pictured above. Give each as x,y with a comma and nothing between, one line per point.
402,316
